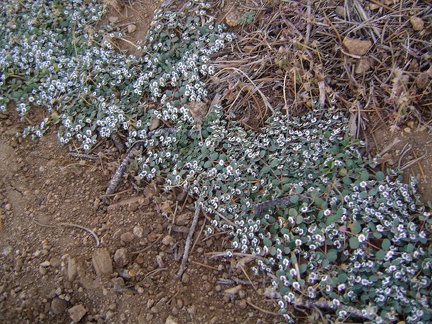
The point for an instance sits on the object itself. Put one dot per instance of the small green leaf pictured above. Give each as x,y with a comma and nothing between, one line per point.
410,248
294,199
386,244
303,268
354,242
265,170
331,255
364,176
274,163
299,190
292,212
356,228
267,241
342,277
380,176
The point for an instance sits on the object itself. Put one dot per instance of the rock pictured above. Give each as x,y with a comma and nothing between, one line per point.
422,80
242,304
138,231
77,312
118,285
185,278
363,65
357,46
417,23
120,257
171,320
340,11
167,240
232,18
102,262
127,237
159,261
113,19
45,264
233,290
192,310
131,28
55,262
58,305
72,269
242,294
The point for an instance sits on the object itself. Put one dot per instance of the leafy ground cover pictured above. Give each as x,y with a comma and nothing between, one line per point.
259,125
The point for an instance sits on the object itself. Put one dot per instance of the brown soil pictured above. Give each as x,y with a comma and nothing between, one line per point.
49,268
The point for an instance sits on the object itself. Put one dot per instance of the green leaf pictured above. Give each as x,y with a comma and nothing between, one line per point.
208,164
354,242
265,170
380,176
331,255
342,277
292,212
274,163
303,268
356,228
386,244
267,241
364,176
299,190
410,248
294,199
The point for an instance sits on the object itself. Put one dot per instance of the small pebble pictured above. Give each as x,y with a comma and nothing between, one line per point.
138,231
185,278
120,257
102,262
58,305
167,240
127,237
77,312
191,310
242,304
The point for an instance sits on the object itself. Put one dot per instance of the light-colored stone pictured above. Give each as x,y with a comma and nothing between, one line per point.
127,237
417,23
185,278
232,18
131,28
357,46
120,257
171,320
72,269
167,240
102,262
340,11
138,231
77,312
363,65
113,19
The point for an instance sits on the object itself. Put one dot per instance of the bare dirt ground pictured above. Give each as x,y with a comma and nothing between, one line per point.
51,270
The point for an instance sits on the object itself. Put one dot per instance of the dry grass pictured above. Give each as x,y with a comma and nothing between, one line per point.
296,54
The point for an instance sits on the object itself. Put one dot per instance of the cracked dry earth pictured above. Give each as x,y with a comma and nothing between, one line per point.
52,272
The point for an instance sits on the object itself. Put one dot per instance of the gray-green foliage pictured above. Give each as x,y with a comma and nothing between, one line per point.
51,56
343,232
298,195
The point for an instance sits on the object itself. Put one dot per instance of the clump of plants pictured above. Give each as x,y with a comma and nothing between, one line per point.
297,195
301,198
